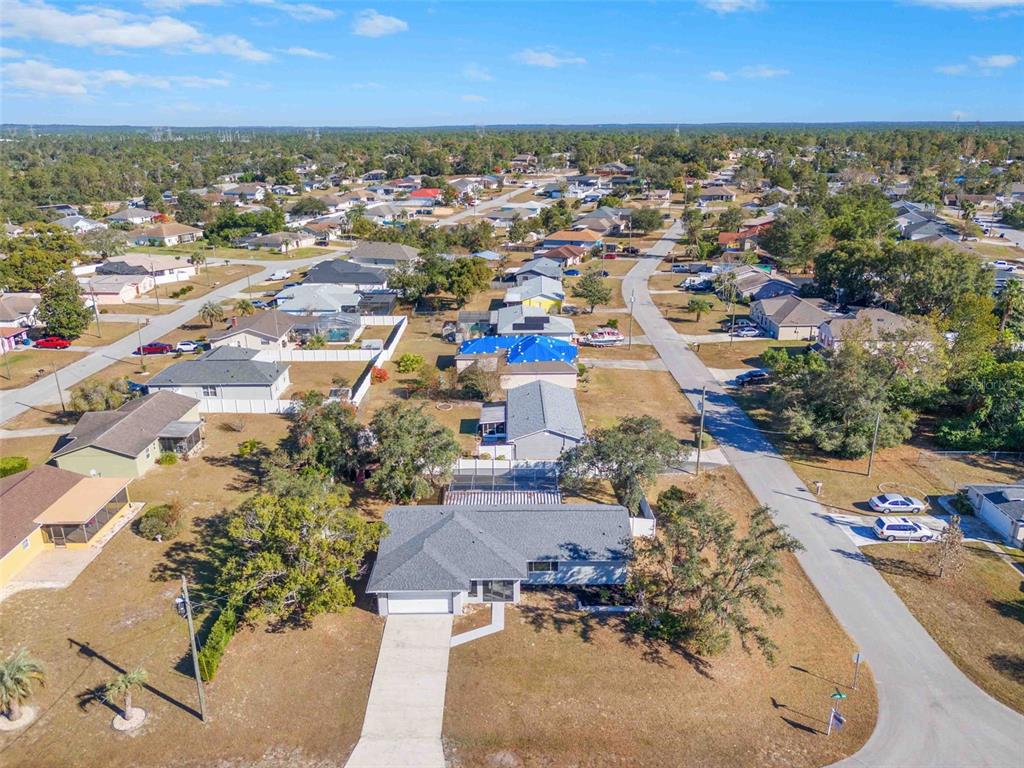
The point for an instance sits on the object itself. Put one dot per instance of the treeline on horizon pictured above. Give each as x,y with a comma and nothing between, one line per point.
99,165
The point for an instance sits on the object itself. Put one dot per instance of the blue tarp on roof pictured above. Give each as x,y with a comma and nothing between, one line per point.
541,349
522,349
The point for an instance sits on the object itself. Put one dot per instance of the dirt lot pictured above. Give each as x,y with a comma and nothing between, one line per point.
18,369
558,687
107,333
673,307
977,618
119,614
743,353
612,393
319,376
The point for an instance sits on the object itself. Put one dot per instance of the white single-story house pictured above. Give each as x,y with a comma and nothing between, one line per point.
791,317
345,273
439,558
1002,509
163,269
132,216
528,320
264,330
317,299
756,284
79,224
537,422
225,372
387,255
116,289
282,242
165,234
874,320
18,310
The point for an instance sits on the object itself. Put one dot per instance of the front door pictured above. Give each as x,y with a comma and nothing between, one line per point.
498,591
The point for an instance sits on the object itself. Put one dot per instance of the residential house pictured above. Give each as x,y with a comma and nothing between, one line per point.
116,289
791,317
537,422
317,299
346,273
324,230
163,269
377,174
127,442
282,242
754,284
133,216
46,508
227,372
540,267
58,209
248,192
520,320
613,169
264,330
338,327
875,320
524,163
426,195
79,224
566,255
717,195
165,234
521,359
584,238
387,255
544,293
1002,509
437,559
18,313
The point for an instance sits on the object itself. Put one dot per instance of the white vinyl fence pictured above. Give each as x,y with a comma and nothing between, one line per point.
341,355
226,405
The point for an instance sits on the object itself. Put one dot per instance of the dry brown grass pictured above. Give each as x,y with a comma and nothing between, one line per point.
977,618
19,369
674,308
613,393
107,333
293,698
742,353
36,449
319,376
557,687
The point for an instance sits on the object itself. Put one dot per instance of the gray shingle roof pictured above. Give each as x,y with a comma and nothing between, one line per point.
130,428
542,406
344,273
787,311
223,366
375,250
443,547
272,324
541,266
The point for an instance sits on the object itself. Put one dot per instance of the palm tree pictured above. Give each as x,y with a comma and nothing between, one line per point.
244,308
197,258
1010,302
700,306
729,291
124,685
19,673
211,312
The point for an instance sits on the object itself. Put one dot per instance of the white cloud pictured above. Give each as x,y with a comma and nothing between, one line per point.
472,97
476,72
177,5
309,53
951,69
536,58
732,6
10,53
996,61
970,5
107,28
761,72
43,78
369,23
717,75
299,11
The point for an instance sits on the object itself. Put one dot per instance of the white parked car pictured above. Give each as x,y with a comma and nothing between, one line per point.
281,274
1001,264
186,346
901,529
896,502
746,331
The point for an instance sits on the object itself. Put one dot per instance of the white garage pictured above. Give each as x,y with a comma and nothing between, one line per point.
419,602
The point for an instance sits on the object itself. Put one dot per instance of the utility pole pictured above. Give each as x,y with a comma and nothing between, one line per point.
156,288
195,653
700,432
7,363
96,310
632,299
60,393
142,348
874,442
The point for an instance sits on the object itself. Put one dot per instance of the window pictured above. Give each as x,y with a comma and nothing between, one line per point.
265,342
474,590
541,566
209,391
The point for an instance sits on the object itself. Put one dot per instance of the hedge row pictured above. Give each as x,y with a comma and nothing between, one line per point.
10,465
221,632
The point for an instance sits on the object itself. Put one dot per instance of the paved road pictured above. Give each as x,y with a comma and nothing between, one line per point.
405,710
482,207
44,391
930,714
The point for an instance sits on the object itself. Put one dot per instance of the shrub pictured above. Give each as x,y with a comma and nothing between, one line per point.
961,504
167,459
10,465
378,375
705,440
162,522
185,289
408,363
613,323
216,643
316,341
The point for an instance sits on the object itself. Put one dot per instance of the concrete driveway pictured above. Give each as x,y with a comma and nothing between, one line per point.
929,714
405,711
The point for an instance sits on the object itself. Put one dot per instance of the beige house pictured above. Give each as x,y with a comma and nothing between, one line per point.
790,317
127,442
162,268
168,233
116,289
875,320
261,331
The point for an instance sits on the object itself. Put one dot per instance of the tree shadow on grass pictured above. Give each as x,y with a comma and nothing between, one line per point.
1011,609
1008,665
197,558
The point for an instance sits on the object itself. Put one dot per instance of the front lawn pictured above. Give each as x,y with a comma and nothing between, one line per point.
977,618
612,393
558,687
26,366
674,307
108,332
291,698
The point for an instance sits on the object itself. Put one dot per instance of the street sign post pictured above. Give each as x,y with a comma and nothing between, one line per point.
857,658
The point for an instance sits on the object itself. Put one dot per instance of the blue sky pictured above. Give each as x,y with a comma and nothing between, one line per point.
286,62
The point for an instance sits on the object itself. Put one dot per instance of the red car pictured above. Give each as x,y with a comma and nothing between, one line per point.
154,348
52,342
610,255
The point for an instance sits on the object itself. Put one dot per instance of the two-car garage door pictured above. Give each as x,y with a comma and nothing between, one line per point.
420,602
